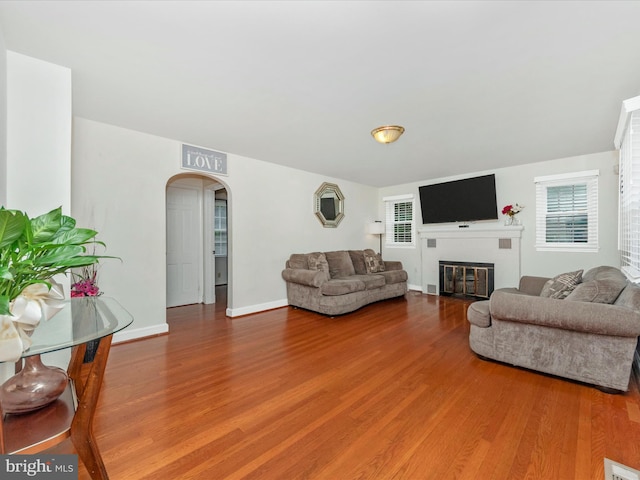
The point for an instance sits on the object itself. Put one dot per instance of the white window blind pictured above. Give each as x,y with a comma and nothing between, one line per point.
629,207
567,212
399,220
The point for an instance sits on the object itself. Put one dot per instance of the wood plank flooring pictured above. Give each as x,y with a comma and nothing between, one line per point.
389,392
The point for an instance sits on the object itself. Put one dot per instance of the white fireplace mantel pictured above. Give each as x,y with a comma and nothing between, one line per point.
492,243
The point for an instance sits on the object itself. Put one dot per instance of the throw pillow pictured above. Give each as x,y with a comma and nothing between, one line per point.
357,258
373,261
562,285
597,291
340,264
318,261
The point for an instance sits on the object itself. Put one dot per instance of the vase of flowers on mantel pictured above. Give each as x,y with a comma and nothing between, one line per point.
511,211
32,252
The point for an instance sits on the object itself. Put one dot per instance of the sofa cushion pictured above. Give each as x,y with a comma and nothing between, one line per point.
629,298
515,291
299,260
597,291
339,264
357,258
604,272
478,314
562,285
393,276
342,286
370,281
318,261
373,261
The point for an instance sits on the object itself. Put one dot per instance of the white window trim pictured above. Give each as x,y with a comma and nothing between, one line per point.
590,178
388,225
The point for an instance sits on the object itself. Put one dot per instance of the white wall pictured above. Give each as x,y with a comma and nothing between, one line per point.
119,179
515,185
38,135
5,369
3,121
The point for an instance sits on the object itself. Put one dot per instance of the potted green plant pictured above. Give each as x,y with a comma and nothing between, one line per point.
32,251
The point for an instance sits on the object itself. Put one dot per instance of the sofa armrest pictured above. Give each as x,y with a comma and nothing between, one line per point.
392,265
597,318
532,285
311,278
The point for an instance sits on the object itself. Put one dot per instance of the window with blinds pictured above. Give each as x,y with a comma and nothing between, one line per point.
399,219
567,212
629,207
220,227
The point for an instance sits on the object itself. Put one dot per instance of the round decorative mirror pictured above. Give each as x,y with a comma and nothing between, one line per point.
329,205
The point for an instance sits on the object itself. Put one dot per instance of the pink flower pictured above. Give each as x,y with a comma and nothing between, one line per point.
86,287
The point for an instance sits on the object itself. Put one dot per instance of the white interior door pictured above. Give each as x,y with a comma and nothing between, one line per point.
184,245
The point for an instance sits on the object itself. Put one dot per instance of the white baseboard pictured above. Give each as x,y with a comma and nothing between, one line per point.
135,333
261,307
417,288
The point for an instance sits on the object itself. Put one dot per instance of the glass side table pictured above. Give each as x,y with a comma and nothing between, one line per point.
83,321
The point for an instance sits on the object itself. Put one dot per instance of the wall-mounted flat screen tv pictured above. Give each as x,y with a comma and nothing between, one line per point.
466,200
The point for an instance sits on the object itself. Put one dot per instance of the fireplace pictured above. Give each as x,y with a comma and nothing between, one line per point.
491,243
466,279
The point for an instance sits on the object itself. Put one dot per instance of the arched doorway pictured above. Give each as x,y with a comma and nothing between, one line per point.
196,238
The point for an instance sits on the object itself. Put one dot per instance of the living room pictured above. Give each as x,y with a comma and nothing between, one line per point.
140,165
112,175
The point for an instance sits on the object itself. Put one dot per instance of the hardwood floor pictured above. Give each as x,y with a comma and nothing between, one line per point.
389,392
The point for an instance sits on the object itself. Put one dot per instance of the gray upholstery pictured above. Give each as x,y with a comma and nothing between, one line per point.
343,285
589,336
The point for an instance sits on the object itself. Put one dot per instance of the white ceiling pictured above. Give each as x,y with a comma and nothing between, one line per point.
477,84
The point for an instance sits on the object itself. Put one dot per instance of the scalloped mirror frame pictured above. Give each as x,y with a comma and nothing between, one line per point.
329,213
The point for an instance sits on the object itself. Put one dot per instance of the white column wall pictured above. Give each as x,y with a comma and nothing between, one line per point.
3,121
38,135
38,160
5,369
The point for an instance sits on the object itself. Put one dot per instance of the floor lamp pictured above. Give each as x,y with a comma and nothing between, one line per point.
377,228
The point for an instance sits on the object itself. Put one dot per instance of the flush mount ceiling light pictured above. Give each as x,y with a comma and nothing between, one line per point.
387,133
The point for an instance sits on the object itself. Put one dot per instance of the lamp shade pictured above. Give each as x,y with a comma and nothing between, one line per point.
387,133
375,228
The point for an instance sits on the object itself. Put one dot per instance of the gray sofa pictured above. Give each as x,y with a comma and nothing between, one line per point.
333,283
583,328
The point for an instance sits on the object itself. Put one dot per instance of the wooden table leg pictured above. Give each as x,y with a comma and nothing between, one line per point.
88,391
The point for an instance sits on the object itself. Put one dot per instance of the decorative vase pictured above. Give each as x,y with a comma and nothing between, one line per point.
33,387
85,307
508,221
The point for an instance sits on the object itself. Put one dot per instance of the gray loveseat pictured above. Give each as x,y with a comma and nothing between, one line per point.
342,281
585,328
